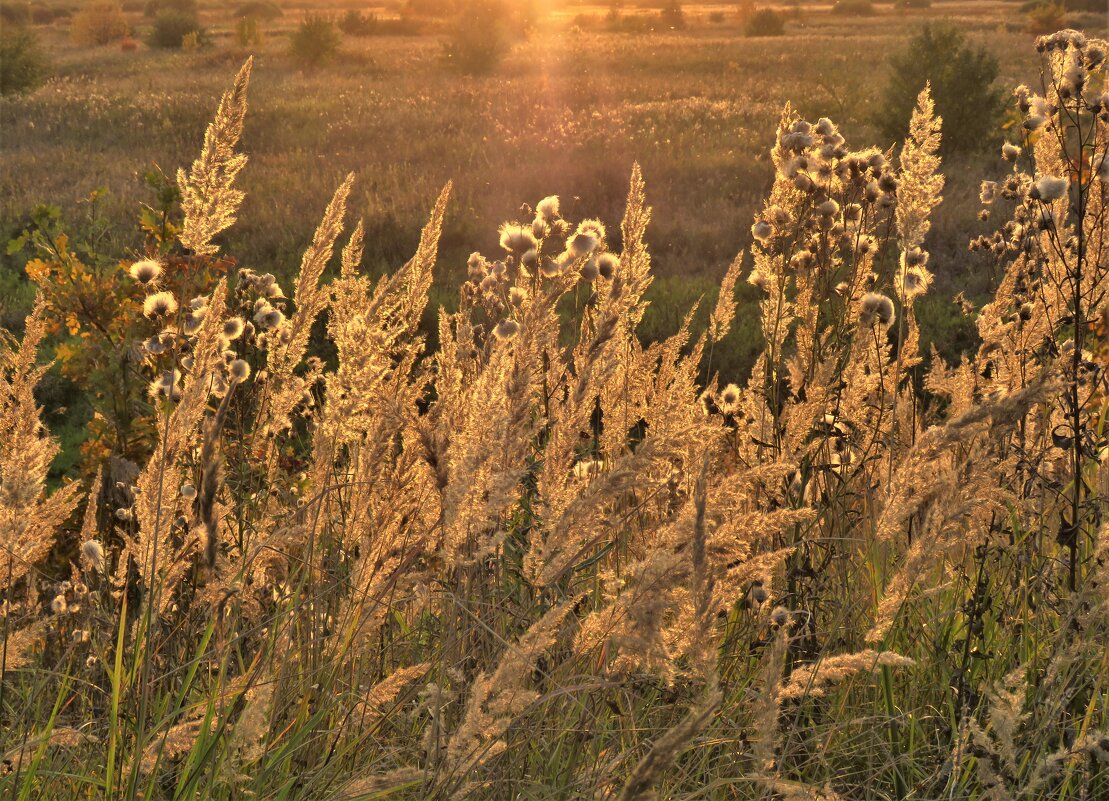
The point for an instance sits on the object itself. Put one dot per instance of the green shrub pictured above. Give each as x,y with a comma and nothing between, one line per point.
171,26
355,24
315,42
765,22
1047,17
479,40
962,79
853,8
22,62
248,31
99,22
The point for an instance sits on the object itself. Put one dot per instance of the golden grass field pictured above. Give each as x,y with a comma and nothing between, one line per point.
571,431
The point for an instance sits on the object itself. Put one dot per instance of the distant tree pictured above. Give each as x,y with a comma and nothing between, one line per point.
22,62
1047,17
765,22
170,29
480,37
174,20
962,78
99,22
315,42
354,23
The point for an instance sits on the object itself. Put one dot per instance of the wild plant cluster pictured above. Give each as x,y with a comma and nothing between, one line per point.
541,559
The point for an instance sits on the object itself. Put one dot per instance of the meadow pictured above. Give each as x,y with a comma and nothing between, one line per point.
568,112
567,432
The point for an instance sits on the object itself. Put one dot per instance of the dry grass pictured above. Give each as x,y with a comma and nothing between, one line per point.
542,558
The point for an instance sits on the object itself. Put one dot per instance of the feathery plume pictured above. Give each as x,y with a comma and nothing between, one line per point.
208,197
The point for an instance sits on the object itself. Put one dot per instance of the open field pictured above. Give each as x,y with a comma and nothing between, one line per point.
568,112
331,472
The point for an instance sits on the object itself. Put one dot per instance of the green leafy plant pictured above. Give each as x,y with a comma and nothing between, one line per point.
99,22
171,27
765,22
315,42
23,65
479,39
962,78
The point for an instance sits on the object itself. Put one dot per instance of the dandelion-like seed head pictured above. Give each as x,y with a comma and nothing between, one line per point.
607,264
1049,189
729,399
166,385
589,271
193,321
762,231
59,606
548,208
581,244
239,370
759,280
516,238
876,309
802,260
476,267
550,268
233,328
188,492
160,304
797,141
913,282
914,257
829,208
146,271
517,295
93,554
777,215
506,330
759,594
269,317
